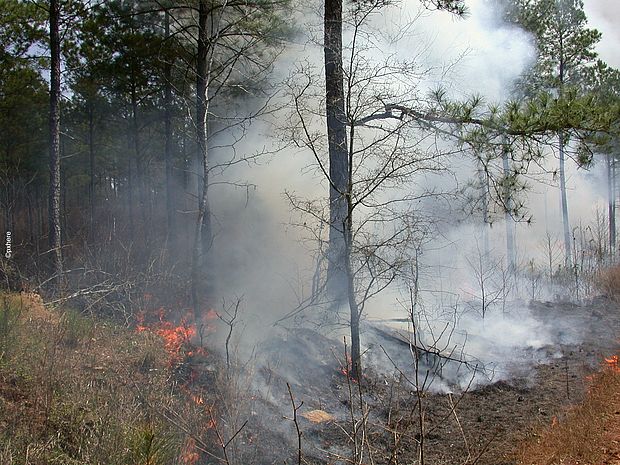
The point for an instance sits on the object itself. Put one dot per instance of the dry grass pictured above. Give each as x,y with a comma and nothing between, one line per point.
586,433
609,282
79,391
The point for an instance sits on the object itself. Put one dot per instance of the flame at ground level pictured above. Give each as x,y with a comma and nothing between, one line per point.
612,363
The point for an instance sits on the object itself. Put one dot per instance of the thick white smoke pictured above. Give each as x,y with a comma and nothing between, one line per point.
265,259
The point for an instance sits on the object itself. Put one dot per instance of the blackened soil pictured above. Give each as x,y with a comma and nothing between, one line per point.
388,419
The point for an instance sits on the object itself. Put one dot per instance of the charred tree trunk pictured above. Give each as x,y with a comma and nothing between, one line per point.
337,279
203,235
55,236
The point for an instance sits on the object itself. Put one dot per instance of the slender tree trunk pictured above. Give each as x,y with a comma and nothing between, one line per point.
356,361
139,172
65,203
130,186
338,155
31,225
40,217
168,136
91,159
484,189
203,235
565,222
7,205
55,236
611,202
510,236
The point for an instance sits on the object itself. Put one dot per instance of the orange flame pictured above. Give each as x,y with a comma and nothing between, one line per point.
197,398
176,338
612,363
346,369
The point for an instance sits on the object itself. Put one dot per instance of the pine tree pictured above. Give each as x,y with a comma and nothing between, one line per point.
565,48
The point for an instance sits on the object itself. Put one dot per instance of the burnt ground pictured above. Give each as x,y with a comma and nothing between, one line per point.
482,425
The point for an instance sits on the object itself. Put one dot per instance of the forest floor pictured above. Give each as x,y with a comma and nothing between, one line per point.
529,418
75,390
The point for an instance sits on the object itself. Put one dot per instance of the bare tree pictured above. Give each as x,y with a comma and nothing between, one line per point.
490,281
227,44
371,155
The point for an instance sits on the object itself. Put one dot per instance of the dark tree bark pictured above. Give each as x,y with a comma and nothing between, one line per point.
130,186
202,236
139,179
338,155
55,237
91,159
611,200
168,135
340,279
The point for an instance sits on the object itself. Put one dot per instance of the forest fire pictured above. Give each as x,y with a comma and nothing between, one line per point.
175,337
177,342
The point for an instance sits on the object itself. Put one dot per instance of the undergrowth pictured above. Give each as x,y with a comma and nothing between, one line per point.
609,282
78,391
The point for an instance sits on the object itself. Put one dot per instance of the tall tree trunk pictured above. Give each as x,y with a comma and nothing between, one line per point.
356,353
91,160
611,203
337,279
202,235
139,172
565,222
55,236
510,226
168,135
130,186
31,226
568,256
39,208
484,199
340,278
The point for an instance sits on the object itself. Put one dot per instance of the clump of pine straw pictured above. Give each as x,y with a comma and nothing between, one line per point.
585,434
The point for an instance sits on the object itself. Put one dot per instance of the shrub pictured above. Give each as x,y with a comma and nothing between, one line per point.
608,282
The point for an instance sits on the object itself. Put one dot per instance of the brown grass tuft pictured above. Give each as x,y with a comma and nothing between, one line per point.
74,390
609,282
